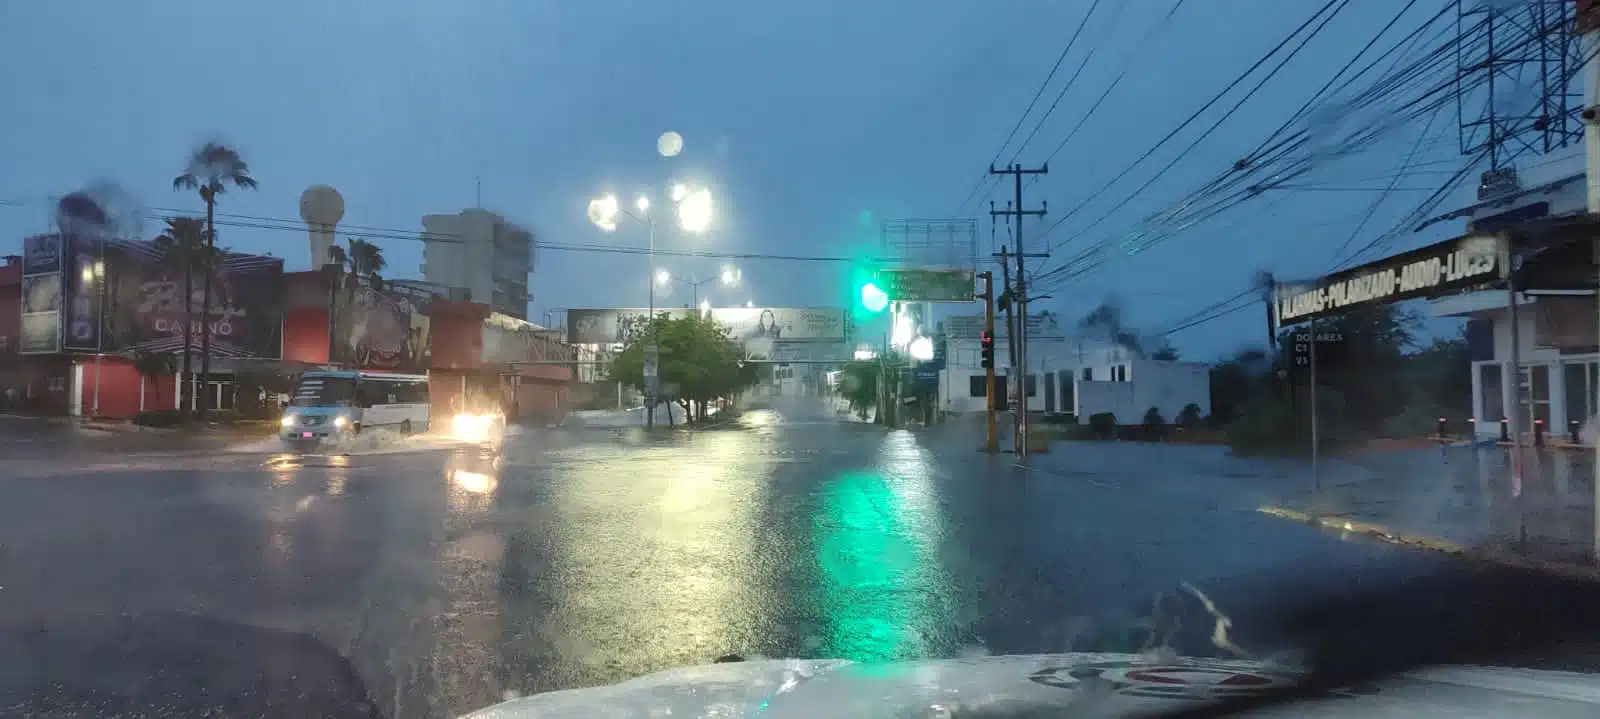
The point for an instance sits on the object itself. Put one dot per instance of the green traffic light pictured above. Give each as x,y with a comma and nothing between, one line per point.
873,299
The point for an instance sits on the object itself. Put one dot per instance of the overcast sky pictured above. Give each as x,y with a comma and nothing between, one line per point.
814,122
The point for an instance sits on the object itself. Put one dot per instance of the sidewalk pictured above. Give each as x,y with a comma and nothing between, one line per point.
1458,499
1461,499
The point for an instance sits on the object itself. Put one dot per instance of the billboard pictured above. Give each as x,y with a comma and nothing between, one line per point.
744,324
374,329
41,295
41,255
1044,325
1455,264
143,308
83,284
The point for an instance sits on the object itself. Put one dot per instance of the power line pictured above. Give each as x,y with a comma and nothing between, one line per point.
1197,113
986,178
276,224
1122,73
1073,80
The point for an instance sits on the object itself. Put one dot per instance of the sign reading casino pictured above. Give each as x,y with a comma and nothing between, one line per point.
1457,264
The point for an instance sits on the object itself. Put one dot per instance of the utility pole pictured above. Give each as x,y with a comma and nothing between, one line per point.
1016,172
1269,285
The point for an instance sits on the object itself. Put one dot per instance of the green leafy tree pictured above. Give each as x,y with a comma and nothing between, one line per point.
211,170
184,252
697,361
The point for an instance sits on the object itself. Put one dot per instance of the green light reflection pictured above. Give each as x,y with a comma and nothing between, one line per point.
880,583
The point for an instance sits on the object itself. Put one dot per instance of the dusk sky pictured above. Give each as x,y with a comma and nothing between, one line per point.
813,122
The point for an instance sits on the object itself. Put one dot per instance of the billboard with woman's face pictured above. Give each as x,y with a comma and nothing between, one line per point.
787,324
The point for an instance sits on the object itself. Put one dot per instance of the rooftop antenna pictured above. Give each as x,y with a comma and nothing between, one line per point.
478,197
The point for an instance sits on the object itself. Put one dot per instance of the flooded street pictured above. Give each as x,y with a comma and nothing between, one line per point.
452,578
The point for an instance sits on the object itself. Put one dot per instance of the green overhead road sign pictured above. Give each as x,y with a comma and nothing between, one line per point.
928,285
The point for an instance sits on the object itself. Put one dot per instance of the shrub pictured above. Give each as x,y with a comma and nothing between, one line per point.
1190,415
1103,424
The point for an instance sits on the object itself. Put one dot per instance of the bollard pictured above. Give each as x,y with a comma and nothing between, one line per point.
1538,433
1505,430
1572,430
1442,423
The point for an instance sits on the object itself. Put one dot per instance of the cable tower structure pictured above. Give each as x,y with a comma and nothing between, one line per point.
1517,96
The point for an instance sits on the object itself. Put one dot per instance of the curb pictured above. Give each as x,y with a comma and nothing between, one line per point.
1433,544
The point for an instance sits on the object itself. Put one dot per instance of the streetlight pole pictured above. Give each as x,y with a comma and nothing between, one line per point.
694,210
650,277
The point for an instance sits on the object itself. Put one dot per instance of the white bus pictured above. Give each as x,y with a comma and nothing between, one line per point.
335,404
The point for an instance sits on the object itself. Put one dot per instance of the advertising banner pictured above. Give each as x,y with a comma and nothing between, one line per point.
41,293
84,285
1041,326
375,329
41,334
744,324
1457,264
144,309
41,254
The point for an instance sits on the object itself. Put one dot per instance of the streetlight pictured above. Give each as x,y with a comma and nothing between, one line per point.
730,276
695,212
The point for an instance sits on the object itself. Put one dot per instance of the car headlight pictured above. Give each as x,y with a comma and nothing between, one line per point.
340,421
287,421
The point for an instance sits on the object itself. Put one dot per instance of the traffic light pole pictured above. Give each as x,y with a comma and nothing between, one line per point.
991,437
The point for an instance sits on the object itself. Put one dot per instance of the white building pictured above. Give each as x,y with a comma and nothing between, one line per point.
481,252
1561,375
1070,376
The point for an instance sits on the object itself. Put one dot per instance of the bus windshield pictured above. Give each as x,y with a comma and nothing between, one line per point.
322,391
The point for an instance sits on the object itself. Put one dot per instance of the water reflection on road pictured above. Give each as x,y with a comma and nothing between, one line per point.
581,557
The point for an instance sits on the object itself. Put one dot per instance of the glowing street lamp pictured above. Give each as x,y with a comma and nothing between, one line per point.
695,210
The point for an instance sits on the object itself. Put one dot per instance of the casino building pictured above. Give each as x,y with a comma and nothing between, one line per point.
93,326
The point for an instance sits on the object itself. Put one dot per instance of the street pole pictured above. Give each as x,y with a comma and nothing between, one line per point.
1016,172
1316,453
650,278
991,437
1514,415
1590,42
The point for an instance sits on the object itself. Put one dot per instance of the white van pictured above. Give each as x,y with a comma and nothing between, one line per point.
333,404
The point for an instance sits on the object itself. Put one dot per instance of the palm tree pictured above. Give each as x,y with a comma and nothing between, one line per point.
211,169
364,260
184,252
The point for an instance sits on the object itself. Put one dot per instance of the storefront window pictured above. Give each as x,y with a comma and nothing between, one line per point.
1491,397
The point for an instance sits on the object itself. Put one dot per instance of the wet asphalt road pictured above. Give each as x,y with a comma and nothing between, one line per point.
451,578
